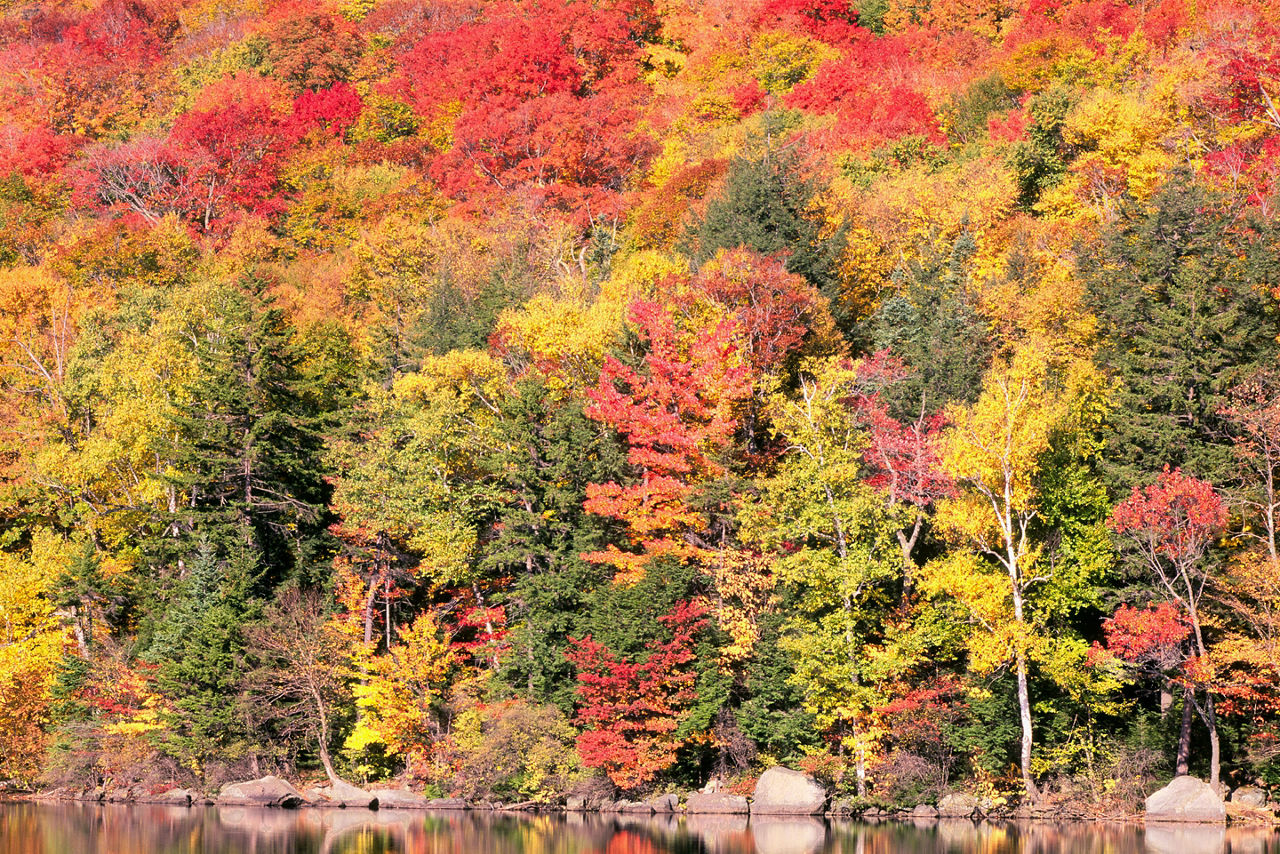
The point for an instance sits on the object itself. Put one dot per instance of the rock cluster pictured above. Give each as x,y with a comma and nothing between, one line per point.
268,791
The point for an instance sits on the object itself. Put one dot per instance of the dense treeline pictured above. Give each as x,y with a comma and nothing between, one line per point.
519,396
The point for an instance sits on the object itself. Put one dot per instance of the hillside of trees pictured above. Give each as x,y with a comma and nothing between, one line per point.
515,397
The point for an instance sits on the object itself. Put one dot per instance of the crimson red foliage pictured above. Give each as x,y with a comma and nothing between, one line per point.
630,710
1162,23
1175,518
1155,635
772,310
871,90
220,160
832,21
35,152
1091,23
905,459
672,413
549,101
333,110
310,46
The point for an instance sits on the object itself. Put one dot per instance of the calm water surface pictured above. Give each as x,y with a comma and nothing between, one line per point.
93,829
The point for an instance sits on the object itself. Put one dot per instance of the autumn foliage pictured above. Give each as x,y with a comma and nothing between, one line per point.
631,712
524,397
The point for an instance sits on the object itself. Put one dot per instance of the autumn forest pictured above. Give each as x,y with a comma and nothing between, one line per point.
517,398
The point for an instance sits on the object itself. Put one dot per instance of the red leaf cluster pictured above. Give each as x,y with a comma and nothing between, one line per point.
871,91
546,99
630,711
1175,518
1155,635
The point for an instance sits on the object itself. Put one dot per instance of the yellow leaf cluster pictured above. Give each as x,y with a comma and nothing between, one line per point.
397,700
31,644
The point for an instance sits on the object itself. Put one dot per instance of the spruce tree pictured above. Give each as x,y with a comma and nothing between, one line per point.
932,325
250,463
767,205
1182,290
550,452
199,651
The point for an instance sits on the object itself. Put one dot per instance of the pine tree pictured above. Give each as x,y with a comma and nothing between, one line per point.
766,206
250,462
1179,289
199,649
933,327
549,452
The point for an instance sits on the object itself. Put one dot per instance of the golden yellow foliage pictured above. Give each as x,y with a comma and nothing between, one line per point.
565,340
398,700
31,642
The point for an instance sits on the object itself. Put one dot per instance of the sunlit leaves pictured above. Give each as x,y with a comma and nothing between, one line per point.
631,711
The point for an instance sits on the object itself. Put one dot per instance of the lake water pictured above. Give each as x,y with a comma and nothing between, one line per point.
110,829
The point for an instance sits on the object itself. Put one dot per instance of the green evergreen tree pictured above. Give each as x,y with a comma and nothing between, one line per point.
772,713
550,452
251,436
199,649
933,326
767,205
1183,291
1040,162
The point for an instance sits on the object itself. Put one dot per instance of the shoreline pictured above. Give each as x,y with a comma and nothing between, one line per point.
1044,815
780,793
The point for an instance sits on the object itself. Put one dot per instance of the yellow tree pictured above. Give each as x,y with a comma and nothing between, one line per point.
834,539
30,646
401,697
995,449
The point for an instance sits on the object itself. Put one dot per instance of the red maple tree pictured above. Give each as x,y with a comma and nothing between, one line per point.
631,710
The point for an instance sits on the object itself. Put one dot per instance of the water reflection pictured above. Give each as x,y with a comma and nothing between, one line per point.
119,829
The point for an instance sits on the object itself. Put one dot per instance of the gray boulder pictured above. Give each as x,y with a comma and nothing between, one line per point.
1186,799
957,805
716,804
665,803
924,811
842,808
1251,797
342,795
782,791
173,797
269,791
446,804
635,807
575,803
398,799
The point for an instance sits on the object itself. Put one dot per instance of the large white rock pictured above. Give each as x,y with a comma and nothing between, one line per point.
1186,799
268,791
782,791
